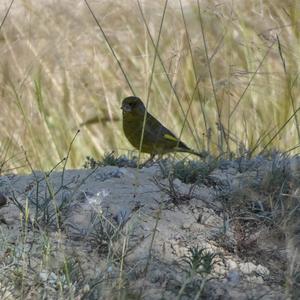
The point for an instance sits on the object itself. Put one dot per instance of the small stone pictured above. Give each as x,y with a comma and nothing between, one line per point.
261,270
233,277
231,264
186,225
248,267
44,275
86,288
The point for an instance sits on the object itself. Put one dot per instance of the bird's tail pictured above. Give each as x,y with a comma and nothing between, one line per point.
202,154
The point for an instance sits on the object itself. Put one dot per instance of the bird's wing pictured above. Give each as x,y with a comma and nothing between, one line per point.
160,134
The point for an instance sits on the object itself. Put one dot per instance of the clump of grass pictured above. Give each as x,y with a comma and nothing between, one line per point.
279,179
263,193
57,269
47,205
265,203
176,196
200,261
198,264
111,159
57,274
188,171
104,235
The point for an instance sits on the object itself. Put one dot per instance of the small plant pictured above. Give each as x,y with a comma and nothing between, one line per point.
200,261
103,235
188,171
176,196
110,159
72,272
278,178
48,204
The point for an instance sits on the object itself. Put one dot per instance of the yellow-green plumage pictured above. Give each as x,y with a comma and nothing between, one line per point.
157,139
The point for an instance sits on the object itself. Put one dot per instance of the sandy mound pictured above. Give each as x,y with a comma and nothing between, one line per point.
124,232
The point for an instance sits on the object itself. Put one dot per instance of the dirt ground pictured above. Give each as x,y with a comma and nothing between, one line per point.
141,232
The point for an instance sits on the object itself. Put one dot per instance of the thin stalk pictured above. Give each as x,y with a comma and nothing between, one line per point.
194,69
165,71
149,257
151,79
280,129
67,157
6,13
110,47
208,63
251,79
290,85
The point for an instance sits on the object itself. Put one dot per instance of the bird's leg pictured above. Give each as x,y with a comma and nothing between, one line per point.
149,161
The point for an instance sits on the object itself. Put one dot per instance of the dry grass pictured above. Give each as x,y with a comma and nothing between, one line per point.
58,72
230,68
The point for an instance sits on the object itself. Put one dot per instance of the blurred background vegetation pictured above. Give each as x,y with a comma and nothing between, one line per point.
230,68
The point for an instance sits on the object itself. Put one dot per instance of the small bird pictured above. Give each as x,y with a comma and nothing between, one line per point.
157,138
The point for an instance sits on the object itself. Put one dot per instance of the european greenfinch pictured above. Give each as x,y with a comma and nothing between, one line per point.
157,139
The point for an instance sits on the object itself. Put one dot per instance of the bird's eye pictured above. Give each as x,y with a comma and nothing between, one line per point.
127,107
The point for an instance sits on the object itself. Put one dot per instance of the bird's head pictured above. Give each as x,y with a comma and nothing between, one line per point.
133,105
